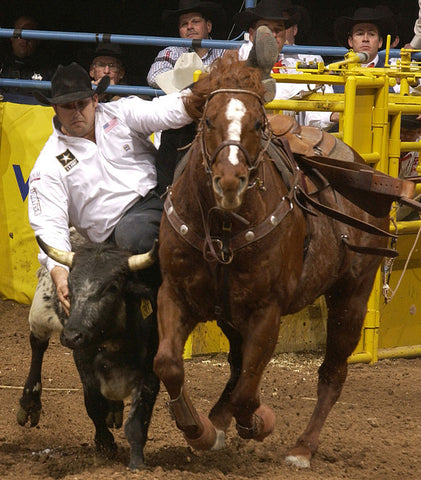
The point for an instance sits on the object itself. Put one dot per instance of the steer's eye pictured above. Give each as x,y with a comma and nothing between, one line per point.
111,289
258,125
208,122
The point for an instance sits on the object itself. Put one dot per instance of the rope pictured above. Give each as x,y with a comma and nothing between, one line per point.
387,292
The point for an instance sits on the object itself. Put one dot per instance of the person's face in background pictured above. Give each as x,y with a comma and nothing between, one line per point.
365,37
193,25
276,26
21,47
105,65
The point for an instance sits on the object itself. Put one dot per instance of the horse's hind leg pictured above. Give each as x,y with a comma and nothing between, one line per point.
347,309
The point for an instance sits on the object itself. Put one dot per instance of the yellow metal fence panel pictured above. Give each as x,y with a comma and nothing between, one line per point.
24,130
400,319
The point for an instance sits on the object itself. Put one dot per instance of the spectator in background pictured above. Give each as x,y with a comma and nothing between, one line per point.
107,60
410,132
25,61
366,31
279,16
292,31
416,41
193,20
409,161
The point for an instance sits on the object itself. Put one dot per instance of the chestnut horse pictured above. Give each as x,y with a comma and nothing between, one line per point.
240,245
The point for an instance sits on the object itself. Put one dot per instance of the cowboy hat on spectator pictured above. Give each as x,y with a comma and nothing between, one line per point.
108,50
410,122
209,10
268,9
379,16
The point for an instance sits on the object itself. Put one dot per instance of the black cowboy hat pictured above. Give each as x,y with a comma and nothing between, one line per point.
108,50
410,122
268,9
71,83
380,16
210,10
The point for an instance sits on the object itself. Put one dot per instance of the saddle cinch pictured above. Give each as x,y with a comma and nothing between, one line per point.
344,169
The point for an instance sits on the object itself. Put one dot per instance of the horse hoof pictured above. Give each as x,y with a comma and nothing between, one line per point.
219,441
299,458
207,439
268,421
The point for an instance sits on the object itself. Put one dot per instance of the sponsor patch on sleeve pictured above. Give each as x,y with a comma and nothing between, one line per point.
34,199
67,159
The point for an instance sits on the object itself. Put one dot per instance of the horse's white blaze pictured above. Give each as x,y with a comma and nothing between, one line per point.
234,113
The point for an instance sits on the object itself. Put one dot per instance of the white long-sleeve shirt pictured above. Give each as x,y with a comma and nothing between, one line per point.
91,185
416,41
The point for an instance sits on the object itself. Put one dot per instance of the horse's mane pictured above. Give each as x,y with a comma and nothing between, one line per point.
226,72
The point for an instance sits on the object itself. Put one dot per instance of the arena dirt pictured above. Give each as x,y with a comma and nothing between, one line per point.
373,432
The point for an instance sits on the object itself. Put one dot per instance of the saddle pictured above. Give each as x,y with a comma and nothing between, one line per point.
344,169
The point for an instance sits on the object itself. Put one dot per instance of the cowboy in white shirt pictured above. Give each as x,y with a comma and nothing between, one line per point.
97,170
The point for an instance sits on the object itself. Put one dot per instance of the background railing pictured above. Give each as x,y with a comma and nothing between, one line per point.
85,37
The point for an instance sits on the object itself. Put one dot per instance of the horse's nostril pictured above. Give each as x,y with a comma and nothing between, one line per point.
243,182
217,184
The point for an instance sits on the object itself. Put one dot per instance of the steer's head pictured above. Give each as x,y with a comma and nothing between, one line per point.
101,284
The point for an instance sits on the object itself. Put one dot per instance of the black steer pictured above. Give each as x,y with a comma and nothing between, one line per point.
113,344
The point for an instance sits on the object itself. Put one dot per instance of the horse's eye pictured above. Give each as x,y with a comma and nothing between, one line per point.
208,122
258,125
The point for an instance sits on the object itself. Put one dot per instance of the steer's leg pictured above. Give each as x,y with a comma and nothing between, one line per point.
43,321
96,405
30,402
137,423
168,365
143,399
347,306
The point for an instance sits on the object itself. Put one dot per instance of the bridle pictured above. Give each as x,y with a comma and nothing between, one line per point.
252,163
228,243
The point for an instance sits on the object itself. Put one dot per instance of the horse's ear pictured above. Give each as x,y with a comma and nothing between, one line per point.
269,84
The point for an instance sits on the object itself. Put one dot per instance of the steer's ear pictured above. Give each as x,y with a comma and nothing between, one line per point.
144,260
61,256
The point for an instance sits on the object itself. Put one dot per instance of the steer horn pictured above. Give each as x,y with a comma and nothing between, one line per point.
144,260
61,256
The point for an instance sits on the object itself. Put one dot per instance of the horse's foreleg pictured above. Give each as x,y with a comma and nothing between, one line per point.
343,332
221,413
255,420
168,366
